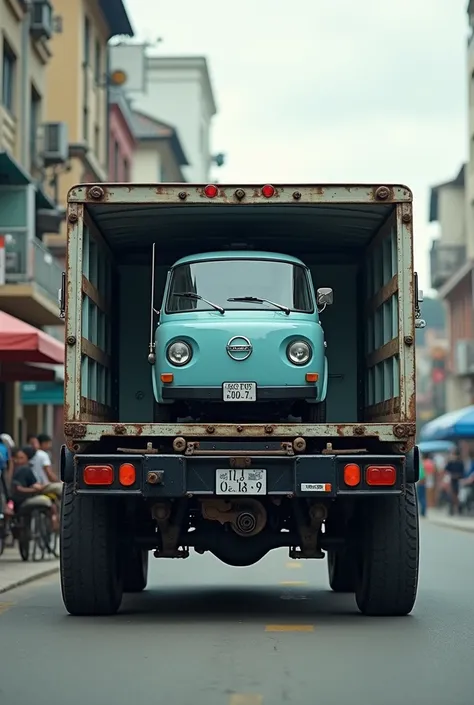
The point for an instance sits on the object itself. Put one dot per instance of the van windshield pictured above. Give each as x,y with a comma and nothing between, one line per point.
220,280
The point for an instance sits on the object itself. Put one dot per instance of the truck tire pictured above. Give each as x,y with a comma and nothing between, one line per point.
135,570
91,580
387,578
341,571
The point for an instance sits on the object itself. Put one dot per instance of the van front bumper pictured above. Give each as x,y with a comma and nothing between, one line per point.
216,394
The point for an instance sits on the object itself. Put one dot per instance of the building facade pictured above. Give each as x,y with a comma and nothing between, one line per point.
177,91
122,142
159,155
78,91
29,275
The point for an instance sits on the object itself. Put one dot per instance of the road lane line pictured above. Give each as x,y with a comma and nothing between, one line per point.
293,564
289,628
293,582
245,699
4,606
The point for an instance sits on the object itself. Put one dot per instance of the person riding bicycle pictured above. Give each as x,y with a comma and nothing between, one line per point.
40,463
26,491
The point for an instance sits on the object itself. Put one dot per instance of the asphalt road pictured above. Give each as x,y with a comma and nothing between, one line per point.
207,634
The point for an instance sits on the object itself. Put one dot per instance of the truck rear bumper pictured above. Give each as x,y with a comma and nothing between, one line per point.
174,476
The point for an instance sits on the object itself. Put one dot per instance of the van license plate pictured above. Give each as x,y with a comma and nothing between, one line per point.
240,481
239,391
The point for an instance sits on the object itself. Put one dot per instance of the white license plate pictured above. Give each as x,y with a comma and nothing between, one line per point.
239,391
240,481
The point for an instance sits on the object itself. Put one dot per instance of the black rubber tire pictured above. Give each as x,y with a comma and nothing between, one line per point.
317,412
91,576
387,577
135,570
341,571
162,413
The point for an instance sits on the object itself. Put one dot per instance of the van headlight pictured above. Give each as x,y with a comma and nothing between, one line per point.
298,352
179,353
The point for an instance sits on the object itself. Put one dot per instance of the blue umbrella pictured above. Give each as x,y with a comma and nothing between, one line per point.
455,425
436,446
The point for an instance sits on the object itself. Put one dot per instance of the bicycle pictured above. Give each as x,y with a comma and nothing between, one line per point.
33,529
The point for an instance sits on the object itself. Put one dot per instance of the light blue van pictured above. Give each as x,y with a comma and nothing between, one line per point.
239,337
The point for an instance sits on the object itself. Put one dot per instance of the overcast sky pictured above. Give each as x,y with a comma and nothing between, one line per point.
329,90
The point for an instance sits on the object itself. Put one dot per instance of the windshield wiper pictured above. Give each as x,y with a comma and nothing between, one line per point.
256,300
196,297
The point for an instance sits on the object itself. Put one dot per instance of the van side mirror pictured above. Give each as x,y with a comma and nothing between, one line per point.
324,297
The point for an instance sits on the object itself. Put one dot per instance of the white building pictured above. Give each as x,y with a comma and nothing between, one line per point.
176,90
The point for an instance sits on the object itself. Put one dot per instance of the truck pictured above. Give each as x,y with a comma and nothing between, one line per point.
240,377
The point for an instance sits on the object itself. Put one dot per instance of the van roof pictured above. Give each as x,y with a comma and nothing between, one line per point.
238,254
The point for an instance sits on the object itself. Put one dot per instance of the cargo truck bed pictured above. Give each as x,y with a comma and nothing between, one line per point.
356,239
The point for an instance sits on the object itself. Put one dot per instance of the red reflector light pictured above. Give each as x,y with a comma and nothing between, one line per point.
211,191
351,474
98,475
381,475
127,474
268,191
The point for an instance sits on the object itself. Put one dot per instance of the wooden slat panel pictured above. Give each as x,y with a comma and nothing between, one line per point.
94,411
383,294
390,349
384,411
97,236
94,295
95,353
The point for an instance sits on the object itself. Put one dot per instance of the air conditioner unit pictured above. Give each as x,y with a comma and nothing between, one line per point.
55,141
41,22
464,357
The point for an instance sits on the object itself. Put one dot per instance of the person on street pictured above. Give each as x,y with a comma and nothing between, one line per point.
32,440
26,490
455,470
421,488
42,468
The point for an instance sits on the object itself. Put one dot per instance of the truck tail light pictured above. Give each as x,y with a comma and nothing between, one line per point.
268,191
98,475
211,191
381,475
127,474
351,474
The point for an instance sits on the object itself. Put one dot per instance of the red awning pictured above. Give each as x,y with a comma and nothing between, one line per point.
22,343
22,372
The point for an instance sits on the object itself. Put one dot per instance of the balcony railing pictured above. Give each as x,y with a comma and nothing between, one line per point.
445,260
28,262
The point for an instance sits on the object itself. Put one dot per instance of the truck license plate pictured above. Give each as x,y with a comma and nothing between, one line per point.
239,391
241,481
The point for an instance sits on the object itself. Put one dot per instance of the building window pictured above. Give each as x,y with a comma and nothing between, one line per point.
116,161
98,63
8,77
35,119
87,41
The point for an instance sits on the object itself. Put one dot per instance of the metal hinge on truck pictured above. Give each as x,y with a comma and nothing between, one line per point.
419,321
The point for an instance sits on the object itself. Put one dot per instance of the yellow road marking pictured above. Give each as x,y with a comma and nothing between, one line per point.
294,582
245,699
4,606
293,565
289,628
